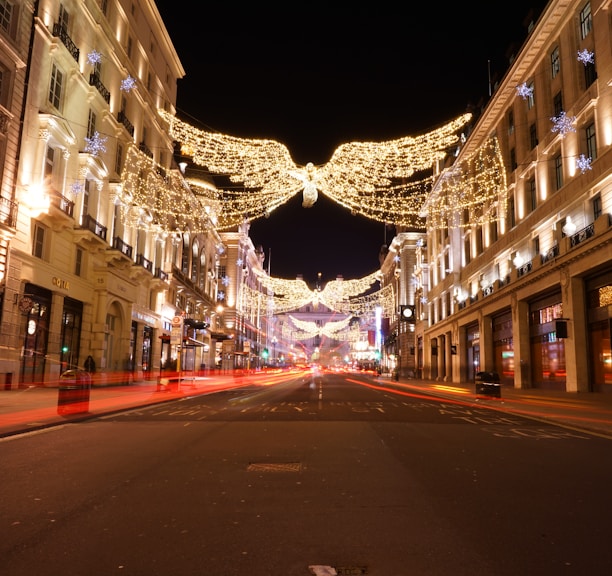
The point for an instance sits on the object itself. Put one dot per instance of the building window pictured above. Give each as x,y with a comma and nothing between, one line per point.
533,136
591,141
590,74
119,159
86,196
536,245
557,104
38,241
493,230
597,206
513,164
91,124
511,213
7,20
532,198
50,163
558,171
5,82
467,251
78,261
64,18
56,87
586,21
555,62
510,122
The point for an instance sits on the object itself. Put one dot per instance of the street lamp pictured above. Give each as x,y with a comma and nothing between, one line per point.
274,341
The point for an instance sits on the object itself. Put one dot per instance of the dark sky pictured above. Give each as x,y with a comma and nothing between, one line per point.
316,75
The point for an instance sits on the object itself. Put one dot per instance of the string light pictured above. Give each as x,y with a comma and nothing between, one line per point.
309,329
477,185
153,198
281,296
368,178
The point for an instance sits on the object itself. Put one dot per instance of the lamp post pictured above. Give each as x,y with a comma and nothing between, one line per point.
274,359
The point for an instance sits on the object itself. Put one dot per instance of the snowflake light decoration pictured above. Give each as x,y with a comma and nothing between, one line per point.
77,188
524,91
221,295
96,144
239,262
586,57
396,258
563,123
128,84
225,280
94,57
583,163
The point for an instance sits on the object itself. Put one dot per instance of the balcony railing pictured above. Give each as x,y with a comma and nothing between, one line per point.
8,212
524,269
582,235
91,224
94,80
123,247
123,119
62,203
144,262
145,150
550,255
62,34
159,273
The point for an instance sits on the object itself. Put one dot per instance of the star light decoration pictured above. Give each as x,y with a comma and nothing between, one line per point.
383,181
586,57
524,90
94,57
128,84
583,163
563,123
77,188
96,144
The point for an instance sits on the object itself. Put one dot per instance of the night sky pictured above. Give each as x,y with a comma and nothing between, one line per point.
314,76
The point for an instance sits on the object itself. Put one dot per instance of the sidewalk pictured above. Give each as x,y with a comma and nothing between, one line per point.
30,409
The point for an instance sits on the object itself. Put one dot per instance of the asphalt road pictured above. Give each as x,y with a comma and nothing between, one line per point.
334,474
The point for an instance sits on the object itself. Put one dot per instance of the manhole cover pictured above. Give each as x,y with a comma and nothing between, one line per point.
274,467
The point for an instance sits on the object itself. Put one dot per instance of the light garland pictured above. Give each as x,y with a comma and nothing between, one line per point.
477,185
308,329
152,199
342,296
369,178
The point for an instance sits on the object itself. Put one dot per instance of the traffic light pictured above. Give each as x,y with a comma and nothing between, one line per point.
407,313
265,354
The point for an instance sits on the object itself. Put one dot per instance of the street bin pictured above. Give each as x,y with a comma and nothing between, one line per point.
73,393
488,384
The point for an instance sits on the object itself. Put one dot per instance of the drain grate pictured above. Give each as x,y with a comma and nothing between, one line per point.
274,467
